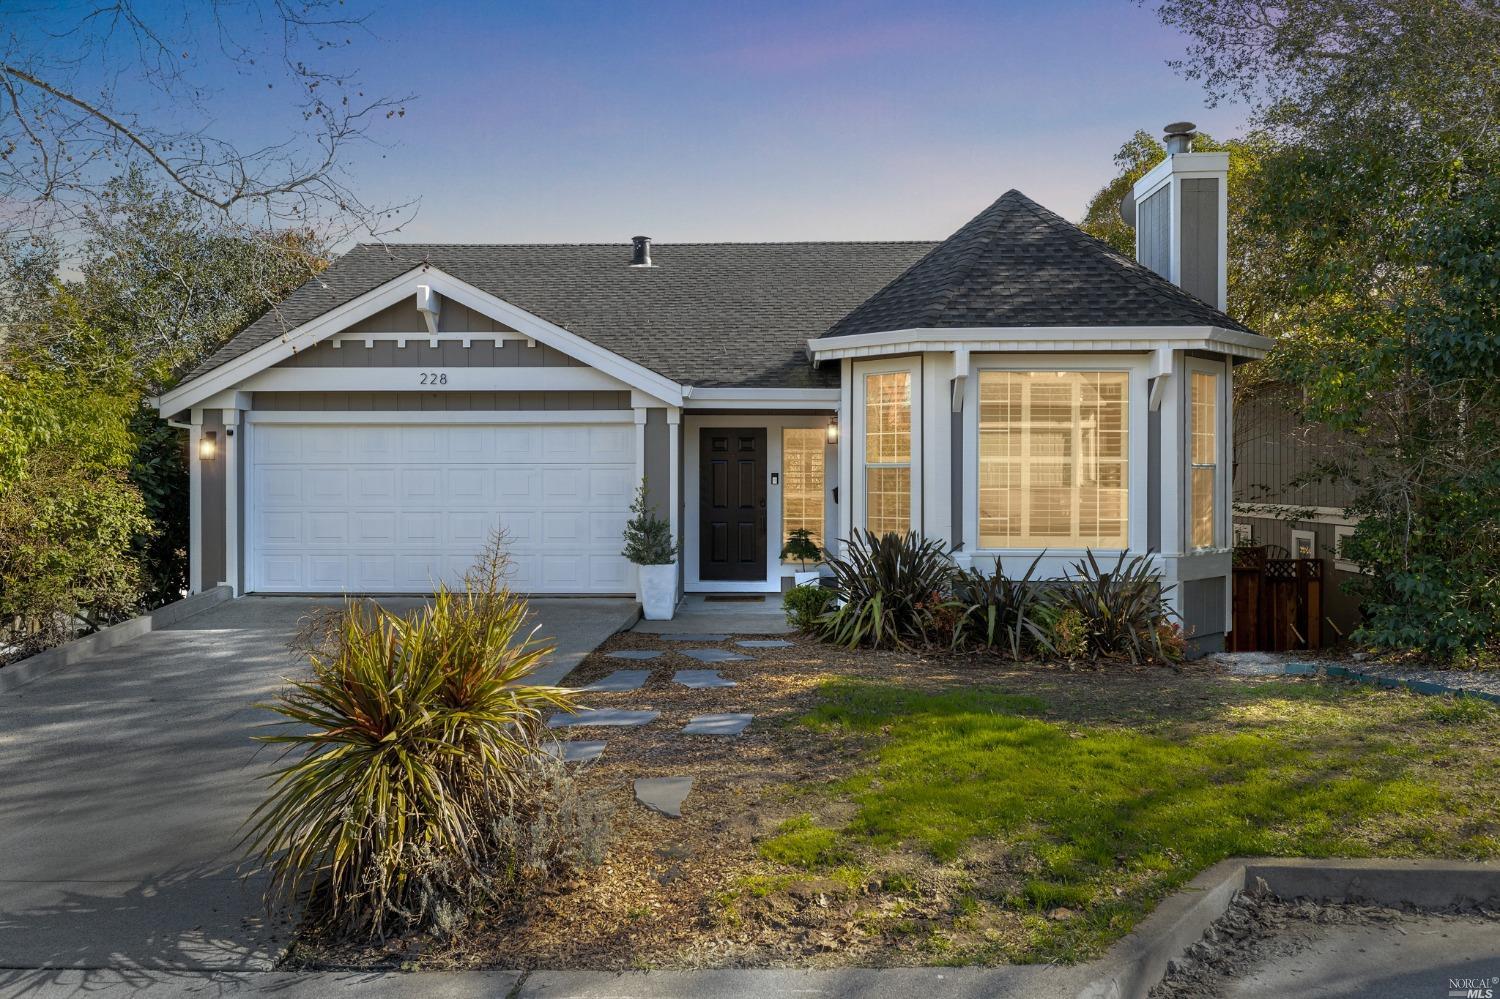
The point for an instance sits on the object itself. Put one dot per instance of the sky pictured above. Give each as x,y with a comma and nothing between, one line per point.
593,122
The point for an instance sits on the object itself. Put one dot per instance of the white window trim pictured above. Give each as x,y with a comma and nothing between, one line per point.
1342,532
828,464
1223,514
856,450
774,424
1056,560
1312,542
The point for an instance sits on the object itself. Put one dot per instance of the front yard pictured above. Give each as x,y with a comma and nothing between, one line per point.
886,808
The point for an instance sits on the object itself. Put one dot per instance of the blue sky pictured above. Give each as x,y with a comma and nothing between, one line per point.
563,122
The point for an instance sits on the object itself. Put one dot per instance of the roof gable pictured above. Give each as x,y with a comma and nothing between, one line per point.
1016,264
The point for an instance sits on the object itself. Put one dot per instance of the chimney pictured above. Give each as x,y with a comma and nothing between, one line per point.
640,251
1179,210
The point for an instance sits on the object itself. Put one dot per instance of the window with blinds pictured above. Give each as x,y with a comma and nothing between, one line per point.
802,482
888,452
1053,468
1204,437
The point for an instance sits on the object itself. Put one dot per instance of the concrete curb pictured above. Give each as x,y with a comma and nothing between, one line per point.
19,674
1403,683
1132,967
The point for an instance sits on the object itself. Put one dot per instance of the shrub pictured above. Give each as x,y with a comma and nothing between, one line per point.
996,610
888,587
805,604
648,538
414,737
1119,612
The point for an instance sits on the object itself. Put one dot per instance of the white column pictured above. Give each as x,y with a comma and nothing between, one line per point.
232,500
195,504
642,414
845,452
1172,476
674,476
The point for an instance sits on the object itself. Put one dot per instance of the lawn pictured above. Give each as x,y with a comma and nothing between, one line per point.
896,809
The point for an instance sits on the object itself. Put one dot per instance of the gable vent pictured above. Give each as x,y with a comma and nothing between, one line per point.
640,251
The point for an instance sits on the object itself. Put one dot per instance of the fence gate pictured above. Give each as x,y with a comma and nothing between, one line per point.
1277,603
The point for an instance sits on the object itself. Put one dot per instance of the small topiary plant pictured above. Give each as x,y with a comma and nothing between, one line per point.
805,604
800,546
648,538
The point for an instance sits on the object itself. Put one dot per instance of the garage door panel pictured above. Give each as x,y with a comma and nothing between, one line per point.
401,508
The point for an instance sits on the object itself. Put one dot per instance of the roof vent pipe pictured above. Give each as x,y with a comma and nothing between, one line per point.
1180,137
640,251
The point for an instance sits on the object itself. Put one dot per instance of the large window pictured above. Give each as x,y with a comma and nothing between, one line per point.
1204,433
1053,459
888,452
802,482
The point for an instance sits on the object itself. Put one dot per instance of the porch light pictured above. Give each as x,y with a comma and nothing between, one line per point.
833,430
208,446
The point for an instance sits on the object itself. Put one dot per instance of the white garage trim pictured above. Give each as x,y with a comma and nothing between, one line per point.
366,507
432,378
336,320
496,417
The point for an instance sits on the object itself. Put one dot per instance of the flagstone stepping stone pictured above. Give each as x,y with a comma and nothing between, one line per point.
576,751
641,654
620,679
715,656
695,638
717,724
698,679
603,716
663,794
764,643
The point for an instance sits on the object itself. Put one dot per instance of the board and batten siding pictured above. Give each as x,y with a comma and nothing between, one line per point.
1199,237
1277,457
1153,234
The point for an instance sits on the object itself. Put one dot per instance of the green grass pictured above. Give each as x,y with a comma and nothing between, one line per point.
1103,818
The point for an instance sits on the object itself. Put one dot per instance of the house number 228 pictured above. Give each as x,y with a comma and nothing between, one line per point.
433,378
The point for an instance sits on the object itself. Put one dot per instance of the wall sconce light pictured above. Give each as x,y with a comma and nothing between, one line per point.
208,446
833,430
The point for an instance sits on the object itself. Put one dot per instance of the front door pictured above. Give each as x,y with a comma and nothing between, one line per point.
732,504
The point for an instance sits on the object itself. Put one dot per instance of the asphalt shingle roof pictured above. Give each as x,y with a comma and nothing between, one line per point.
1018,264
709,314
740,314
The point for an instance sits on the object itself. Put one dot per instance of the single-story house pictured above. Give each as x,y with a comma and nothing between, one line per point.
1018,388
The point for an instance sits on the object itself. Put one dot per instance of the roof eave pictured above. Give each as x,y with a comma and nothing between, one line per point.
1041,339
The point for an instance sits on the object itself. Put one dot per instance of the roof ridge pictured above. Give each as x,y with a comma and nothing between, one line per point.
657,243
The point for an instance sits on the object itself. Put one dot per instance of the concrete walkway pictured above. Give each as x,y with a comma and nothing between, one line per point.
699,615
124,780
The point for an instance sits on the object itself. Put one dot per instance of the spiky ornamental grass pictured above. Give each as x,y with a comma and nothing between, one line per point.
402,749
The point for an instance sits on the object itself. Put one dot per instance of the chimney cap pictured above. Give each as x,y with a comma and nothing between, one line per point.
1180,128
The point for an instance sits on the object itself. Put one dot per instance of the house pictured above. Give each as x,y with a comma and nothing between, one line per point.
1016,389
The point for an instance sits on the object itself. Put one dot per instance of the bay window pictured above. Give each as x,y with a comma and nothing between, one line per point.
1203,434
887,444
1053,459
802,482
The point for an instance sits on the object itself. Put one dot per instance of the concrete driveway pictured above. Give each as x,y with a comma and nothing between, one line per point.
124,781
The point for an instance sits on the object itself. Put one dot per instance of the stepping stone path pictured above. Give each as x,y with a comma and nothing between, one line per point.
620,680
663,794
695,638
579,751
715,656
603,716
641,654
764,643
717,724
698,679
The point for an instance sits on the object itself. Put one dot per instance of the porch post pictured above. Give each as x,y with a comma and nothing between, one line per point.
674,474
195,504
232,500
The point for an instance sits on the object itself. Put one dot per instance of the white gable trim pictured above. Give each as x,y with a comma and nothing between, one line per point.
1038,339
335,320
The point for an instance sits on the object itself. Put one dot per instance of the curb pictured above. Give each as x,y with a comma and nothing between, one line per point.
1134,965
18,674
1402,683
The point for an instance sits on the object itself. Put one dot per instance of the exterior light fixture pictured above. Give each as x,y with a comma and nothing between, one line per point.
208,446
833,430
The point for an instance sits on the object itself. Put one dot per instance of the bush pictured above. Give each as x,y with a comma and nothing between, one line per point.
415,745
805,604
889,589
997,611
648,538
1112,613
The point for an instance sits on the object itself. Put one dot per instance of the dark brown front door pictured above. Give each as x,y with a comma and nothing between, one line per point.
732,504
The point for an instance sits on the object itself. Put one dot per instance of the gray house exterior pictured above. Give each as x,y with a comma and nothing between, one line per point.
1017,390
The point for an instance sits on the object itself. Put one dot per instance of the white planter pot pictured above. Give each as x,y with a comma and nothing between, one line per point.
803,578
656,585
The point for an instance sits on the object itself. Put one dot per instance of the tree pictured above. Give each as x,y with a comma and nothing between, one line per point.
1377,196
92,91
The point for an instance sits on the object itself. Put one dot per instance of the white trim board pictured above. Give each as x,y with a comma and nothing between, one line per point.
336,320
434,378
477,416
1040,339
760,398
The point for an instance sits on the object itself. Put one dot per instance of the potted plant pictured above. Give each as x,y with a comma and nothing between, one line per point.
800,546
649,544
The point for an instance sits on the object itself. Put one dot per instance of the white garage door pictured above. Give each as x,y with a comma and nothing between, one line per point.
394,509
